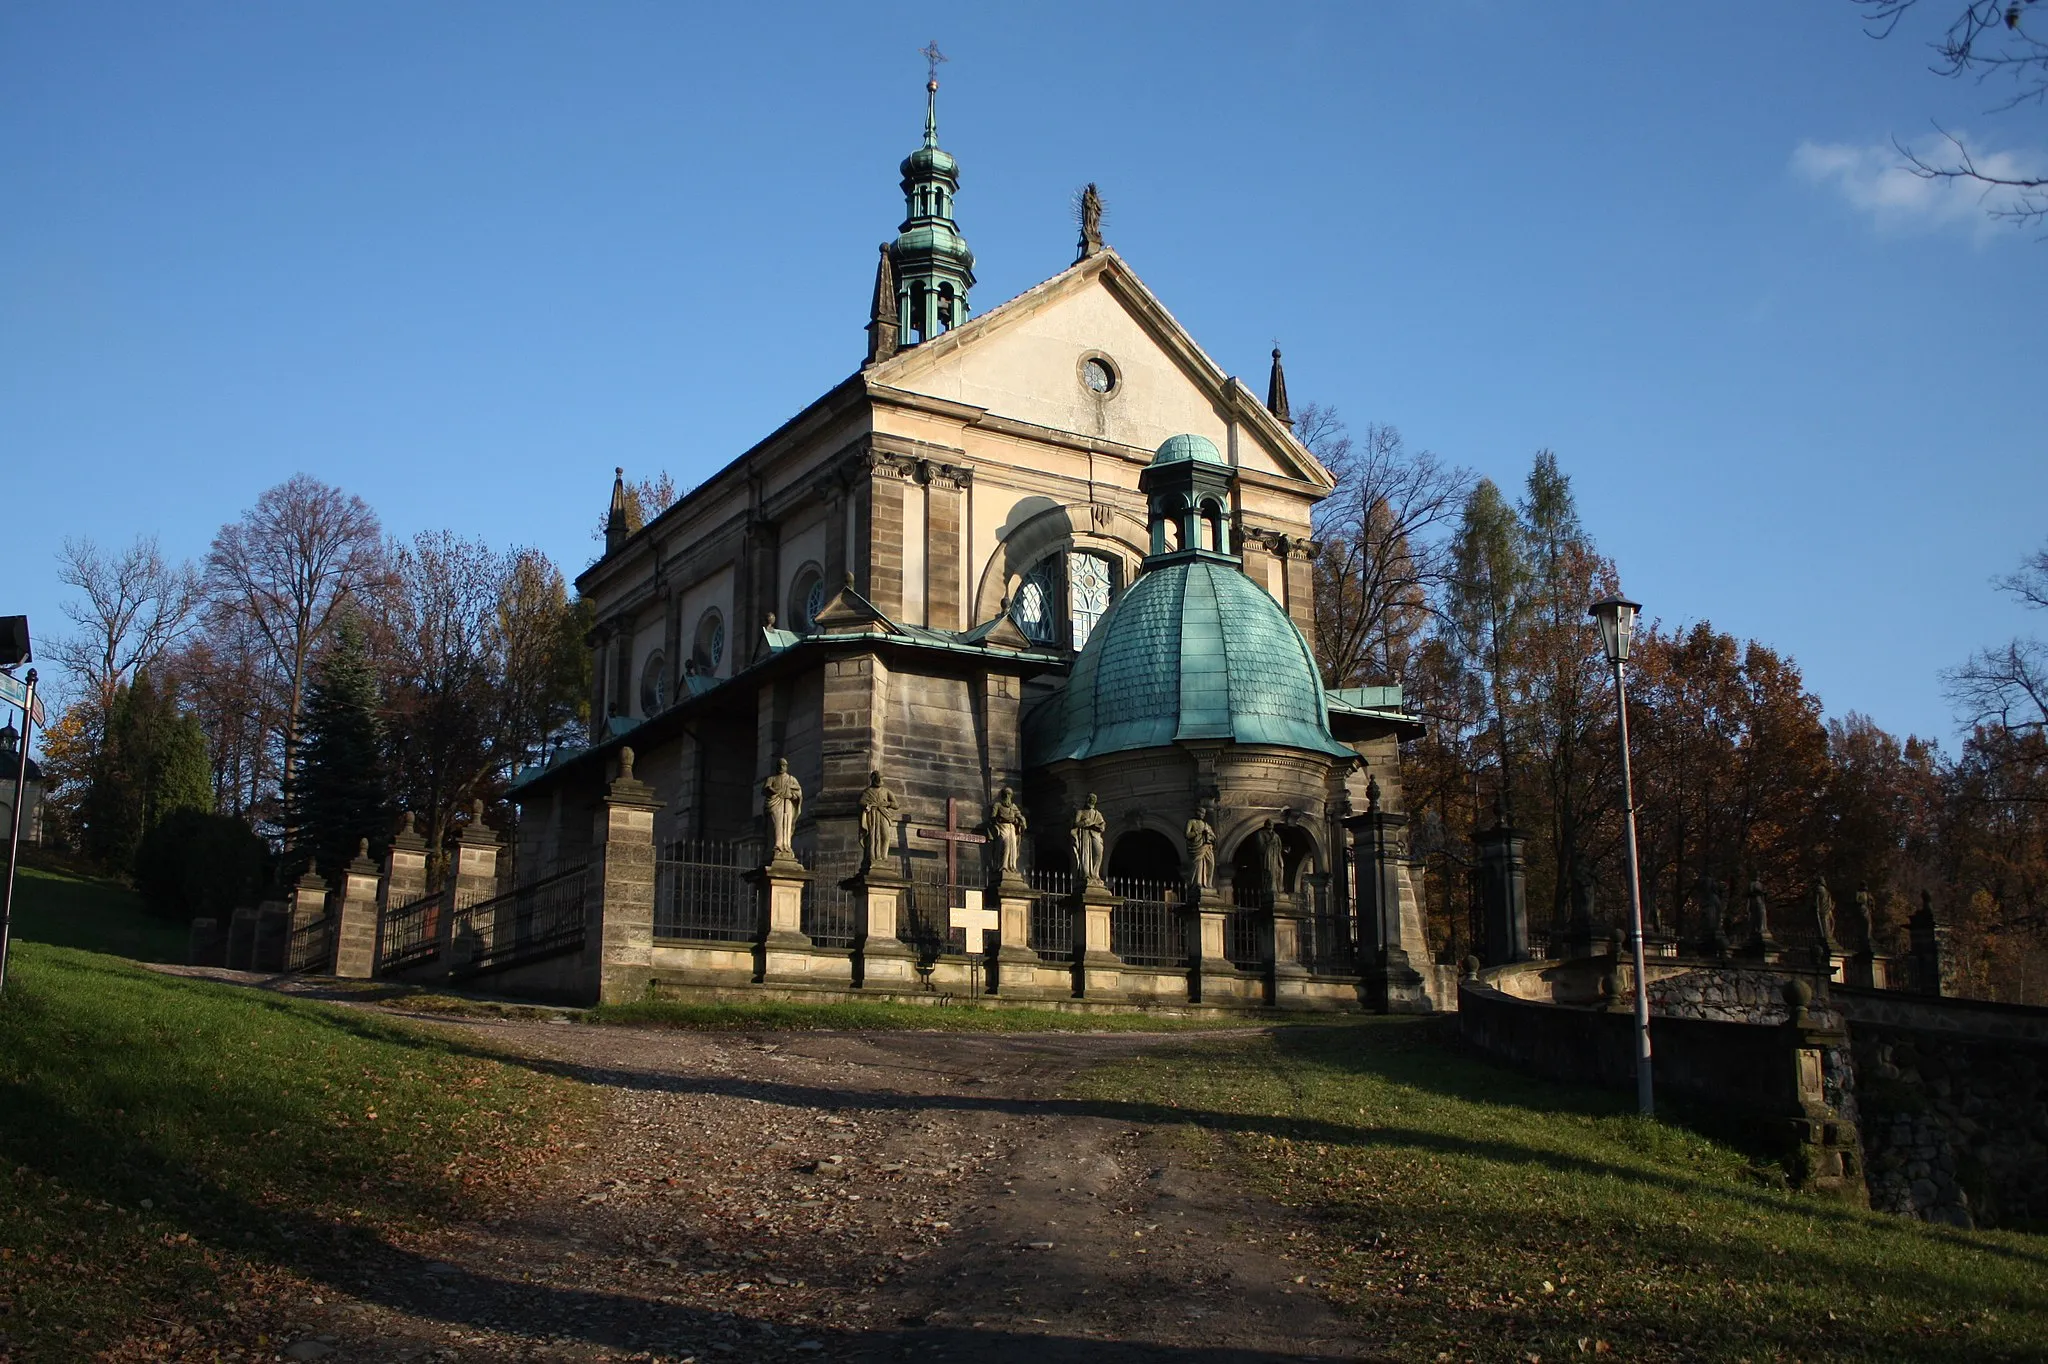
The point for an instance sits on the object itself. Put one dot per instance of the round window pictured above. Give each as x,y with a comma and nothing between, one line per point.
710,642
654,684
1097,374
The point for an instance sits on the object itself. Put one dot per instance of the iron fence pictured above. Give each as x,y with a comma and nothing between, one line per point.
1244,937
408,934
1327,945
1052,914
703,891
831,912
1146,927
543,919
923,921
311,946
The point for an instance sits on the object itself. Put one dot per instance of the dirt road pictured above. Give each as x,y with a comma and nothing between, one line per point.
839,1196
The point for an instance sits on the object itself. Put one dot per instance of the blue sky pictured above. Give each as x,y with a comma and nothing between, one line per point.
463,258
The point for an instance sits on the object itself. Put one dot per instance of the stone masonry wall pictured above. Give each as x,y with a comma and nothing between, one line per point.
1955,1129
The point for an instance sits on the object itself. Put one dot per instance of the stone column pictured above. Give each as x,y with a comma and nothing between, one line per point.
618,958
355,932
882,960
1504,894
307,901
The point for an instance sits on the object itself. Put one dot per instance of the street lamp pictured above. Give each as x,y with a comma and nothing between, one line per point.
1617,618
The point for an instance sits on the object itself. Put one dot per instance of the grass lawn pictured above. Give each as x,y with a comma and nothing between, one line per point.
1463,1212
175,1154
68,909
880,1016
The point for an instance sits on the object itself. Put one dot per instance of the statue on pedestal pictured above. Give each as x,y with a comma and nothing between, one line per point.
784,797
1272,860
1006,824
1088,830
877,824
1201,840
1824,915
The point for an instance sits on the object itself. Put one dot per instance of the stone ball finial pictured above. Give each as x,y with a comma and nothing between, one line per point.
405,822
625,764
1798,995
362,849
476,810
1471,968
1372,794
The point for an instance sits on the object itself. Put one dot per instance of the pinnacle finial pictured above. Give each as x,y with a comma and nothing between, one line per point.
1276,391
932,56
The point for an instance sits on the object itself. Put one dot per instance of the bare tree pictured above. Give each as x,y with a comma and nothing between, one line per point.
1986,39
289,566
135,606
2007,687
1385,549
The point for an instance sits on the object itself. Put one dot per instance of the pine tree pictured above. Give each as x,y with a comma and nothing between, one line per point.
340,794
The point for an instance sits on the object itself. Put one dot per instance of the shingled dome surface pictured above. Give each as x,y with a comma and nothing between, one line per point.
1180,449
1193,651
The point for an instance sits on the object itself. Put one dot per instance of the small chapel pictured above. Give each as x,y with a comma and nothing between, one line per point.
988,672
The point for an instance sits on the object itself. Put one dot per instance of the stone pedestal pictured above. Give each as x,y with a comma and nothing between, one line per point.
882,961
619,956
784,955
1097,970
273,936
355,932
206,944
1288,977
1214,979
1015,973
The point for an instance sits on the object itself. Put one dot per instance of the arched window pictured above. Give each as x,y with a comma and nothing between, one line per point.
1063,597
806,598
710,647
654,684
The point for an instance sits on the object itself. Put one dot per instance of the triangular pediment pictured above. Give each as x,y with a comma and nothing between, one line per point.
1024,361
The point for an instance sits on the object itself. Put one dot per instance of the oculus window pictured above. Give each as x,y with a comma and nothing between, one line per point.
710,647
654,684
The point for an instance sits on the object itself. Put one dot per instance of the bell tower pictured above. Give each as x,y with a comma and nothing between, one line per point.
932,266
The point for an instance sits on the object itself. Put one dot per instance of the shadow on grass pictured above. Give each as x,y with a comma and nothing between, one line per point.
119,1164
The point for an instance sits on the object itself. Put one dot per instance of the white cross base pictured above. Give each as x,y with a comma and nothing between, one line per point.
972,915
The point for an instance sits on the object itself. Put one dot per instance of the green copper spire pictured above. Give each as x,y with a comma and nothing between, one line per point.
933,267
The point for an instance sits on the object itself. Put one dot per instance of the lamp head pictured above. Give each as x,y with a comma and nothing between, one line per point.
1617,618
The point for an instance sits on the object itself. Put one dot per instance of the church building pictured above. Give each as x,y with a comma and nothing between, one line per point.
1024,606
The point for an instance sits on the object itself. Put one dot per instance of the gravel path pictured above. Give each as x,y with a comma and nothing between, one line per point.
844,1196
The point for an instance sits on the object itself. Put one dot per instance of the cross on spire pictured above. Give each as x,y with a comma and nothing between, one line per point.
932,57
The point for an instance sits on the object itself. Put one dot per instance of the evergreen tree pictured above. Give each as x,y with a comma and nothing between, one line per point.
152,762
340,793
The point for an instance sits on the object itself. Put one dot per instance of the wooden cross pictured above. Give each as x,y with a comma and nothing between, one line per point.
953,836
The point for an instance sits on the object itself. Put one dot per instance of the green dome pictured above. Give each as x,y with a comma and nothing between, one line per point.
1195,650
1179,449
927,162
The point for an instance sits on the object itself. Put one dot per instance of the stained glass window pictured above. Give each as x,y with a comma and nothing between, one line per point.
1033,606
1088,589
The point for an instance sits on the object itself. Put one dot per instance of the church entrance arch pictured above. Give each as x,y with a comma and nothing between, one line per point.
1144,855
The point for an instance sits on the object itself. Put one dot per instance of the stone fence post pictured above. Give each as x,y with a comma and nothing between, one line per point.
307,900
619,959
1016,965
404,879
882,958
355,931
1388,929
1097,970
1503,893
472,879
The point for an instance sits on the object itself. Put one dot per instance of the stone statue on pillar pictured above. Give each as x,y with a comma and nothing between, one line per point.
1086,837
1006,824
784,798
1824,916
877,824
1713,914
1201,840
1272,860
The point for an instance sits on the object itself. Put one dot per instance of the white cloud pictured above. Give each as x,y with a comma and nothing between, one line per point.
1878,180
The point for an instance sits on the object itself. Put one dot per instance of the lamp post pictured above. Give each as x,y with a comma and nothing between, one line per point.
1617,618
